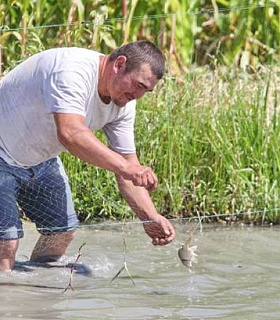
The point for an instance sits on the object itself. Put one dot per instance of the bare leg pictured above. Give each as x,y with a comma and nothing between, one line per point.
8,250
51,247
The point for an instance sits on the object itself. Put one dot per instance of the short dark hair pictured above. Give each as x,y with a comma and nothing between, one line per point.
139,52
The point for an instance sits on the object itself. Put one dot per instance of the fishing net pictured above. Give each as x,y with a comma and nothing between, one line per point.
40,195
41,202
44,202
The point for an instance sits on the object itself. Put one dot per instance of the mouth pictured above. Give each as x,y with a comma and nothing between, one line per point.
129,96
123,100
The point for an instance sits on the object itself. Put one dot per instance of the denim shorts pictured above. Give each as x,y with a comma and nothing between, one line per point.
40,193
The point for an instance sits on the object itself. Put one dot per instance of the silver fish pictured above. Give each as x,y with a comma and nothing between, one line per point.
187,254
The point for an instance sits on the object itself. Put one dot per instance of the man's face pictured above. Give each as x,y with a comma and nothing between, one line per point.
133,85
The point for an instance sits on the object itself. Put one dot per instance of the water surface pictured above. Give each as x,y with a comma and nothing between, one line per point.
237,276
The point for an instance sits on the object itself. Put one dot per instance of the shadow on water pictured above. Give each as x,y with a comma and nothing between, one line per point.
236,276
11,284
29,266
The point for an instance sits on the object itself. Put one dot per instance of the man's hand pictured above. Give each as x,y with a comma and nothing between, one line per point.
141,176
156,226
160,230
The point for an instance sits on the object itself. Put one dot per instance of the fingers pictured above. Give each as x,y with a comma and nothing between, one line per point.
145,177
170,233
161,232
162,241
141,176
159,242
152,182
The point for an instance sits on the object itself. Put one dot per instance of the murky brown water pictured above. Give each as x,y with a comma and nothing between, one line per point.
237,277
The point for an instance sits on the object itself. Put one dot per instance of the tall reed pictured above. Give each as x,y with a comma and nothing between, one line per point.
211,136
189,32
213,142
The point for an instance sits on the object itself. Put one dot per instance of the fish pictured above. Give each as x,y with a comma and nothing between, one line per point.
187,254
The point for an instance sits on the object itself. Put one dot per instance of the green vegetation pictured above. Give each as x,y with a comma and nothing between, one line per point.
214,142
211,129
244,32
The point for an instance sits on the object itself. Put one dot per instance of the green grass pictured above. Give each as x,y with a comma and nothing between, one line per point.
213,140
211,136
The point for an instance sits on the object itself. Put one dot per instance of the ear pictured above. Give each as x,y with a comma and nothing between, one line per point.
119,64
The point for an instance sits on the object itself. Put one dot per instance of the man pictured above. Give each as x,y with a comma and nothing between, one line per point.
52,102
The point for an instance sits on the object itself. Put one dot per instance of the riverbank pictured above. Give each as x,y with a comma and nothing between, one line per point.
212,138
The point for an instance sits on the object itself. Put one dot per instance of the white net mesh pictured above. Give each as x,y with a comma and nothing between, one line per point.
42,195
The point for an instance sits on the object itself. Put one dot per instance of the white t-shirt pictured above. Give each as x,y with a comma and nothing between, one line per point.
63,80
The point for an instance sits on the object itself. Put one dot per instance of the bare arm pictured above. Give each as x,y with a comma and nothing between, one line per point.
80,141
161,230
134,180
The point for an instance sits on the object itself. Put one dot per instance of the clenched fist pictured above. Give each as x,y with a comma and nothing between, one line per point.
141,176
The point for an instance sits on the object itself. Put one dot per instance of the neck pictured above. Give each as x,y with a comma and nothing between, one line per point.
103,80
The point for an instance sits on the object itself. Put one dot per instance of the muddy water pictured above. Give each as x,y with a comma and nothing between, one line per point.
237,276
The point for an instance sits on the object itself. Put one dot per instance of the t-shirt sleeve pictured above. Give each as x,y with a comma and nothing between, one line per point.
120,133
66,92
